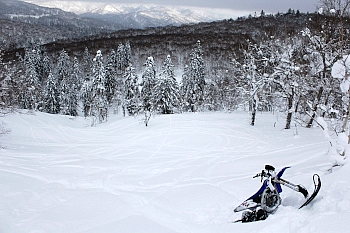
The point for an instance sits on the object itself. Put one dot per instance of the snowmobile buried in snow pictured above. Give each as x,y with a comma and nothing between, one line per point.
267,199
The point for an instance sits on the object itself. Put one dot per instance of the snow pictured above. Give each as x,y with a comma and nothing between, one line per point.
340,70
182,173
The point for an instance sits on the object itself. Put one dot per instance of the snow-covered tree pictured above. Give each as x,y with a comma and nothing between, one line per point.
123,56
148,83
131,100
86,97
166,91
212,96
51,96
99,105
63,74
287,74
47,66
324,48
258,67
9,88
86,63
75,83
127,51
223,91
31,82
111,76
193,80
341,71
121,59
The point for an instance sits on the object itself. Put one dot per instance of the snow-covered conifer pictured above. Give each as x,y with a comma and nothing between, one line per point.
131,101
32,91
127,51
86,97
99,106
111,77
51,96
75,83
86,63
193,80
166,91
47,66
148,83
121,60
63,74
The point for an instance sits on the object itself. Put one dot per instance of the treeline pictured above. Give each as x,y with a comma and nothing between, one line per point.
291,73
37,83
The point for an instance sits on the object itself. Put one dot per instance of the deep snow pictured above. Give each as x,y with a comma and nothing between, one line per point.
182,173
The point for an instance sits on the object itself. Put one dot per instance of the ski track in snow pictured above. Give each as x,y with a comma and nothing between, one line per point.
182,173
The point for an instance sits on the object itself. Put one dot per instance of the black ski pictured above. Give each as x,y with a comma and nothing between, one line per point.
314,194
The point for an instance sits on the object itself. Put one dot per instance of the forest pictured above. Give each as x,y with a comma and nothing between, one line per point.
278,63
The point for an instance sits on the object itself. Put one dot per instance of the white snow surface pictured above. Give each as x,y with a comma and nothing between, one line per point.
182,173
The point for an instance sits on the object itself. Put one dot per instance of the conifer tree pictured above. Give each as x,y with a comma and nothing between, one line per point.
62,74
30,82
148,83
9,88
51,97
166,91
99,106
193,80
86,97
86,63
121,61
47,66
131,102
111,77
73,94
85,89
127,52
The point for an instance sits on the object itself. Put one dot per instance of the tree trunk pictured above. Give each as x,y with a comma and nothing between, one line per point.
290,112
254,103
319,95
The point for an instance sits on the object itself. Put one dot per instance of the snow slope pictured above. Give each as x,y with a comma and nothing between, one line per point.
183,173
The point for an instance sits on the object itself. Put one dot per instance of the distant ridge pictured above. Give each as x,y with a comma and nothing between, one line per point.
141,15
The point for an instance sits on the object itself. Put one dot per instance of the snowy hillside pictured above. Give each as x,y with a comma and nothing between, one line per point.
183,173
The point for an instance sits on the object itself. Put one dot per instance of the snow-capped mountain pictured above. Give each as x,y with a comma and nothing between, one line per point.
140,15
22,20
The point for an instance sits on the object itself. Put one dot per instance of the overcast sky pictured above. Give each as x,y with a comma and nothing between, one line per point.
269,6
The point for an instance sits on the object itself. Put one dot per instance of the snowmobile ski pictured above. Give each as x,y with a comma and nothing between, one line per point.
316,190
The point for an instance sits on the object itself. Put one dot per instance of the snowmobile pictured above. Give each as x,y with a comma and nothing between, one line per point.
267,199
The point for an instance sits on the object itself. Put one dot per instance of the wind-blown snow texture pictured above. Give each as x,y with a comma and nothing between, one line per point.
182,173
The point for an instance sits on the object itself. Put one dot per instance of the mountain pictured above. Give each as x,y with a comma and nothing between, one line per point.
19,9
141,15
21,21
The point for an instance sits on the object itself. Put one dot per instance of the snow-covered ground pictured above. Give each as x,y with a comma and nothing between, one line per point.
182,173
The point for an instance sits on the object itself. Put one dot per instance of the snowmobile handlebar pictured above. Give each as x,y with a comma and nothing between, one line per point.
298,188
262,174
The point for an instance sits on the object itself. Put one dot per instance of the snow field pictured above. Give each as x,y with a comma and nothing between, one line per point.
182,173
